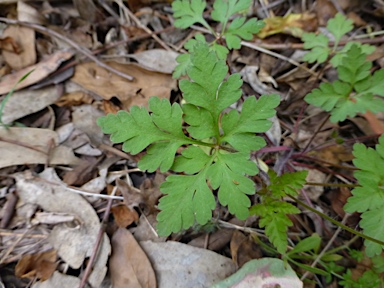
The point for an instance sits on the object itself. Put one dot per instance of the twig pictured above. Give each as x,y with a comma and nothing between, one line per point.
318,258
145,28
88,269
83,50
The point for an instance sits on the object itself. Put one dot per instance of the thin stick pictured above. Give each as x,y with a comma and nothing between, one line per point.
83,50
88,269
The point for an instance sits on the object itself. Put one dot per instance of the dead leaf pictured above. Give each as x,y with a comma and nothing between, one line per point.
27,13
179,265
59,280
40,265
293,24
334,154
25,38
40,71
74,99
128,265
20,146
158,60
124,216
243,249
107,85
73,242
23,103
132,196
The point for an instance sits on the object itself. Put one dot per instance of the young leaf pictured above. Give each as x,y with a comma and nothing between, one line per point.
224,9
339,26
355,66
339,97
340,55
189,12
273,211
369,198
273,216
318,44
239,29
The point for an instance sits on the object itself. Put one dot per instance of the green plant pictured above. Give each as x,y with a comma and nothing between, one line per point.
216,147
356,89
273,211
368,199
189,12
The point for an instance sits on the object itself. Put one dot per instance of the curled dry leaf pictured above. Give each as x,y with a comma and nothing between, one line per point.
25,38
40,71
129,266
73,242
40,265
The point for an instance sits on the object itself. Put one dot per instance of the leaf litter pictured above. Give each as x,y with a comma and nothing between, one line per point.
61,170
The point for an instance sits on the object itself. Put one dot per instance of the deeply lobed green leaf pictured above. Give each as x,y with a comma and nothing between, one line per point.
369,198
339,26
188,12
224,9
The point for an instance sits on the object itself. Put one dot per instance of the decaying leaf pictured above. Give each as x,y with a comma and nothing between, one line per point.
73,242
106,85
40,265
25,38
20,146
129,266
40,71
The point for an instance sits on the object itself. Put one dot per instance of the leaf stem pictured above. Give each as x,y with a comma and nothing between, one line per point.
339,224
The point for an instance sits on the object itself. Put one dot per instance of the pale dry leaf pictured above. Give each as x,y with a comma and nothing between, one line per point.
27,13
179,265
100,82
73,242
158,60
40,71
20,146
25,38
26,102
59,280
129,265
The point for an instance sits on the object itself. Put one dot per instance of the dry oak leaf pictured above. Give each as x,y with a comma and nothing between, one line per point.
41,265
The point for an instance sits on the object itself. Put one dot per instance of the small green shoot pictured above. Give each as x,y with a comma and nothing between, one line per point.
189,12
273,211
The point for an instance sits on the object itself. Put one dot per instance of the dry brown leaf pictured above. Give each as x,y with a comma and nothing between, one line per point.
129,265
132,196
74,99
40,71
25,38
20,146
40,265
107,85
325,10
243,249
124,216
334,154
